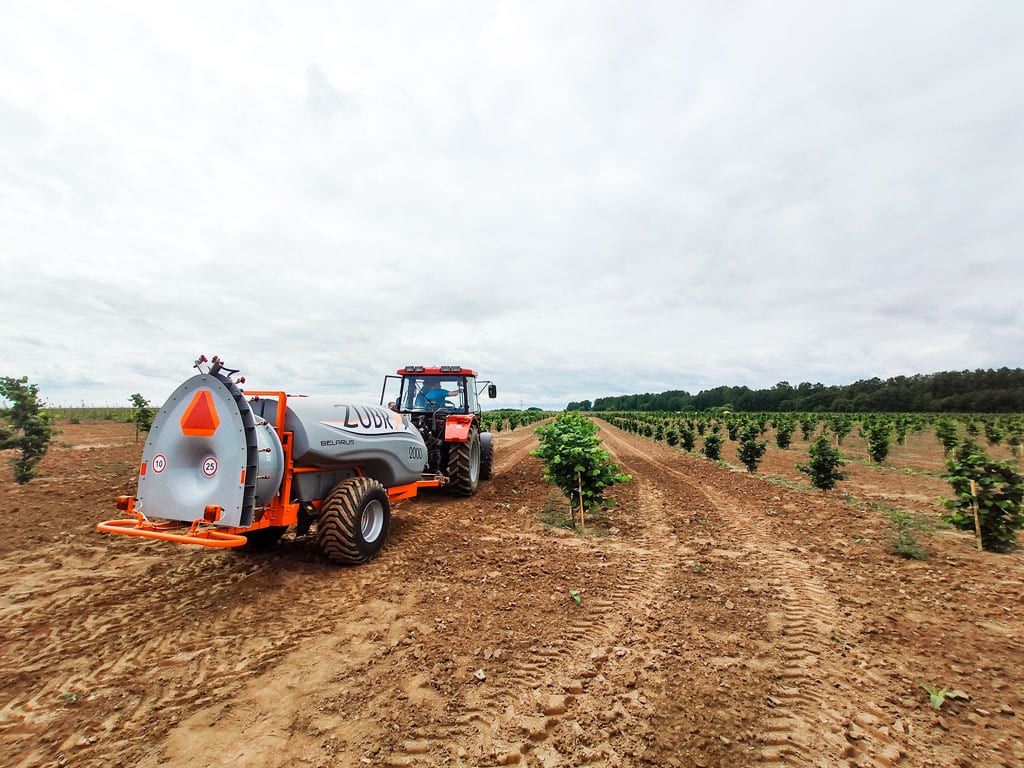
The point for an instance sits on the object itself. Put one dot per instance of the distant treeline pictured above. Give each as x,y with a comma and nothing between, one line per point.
987,391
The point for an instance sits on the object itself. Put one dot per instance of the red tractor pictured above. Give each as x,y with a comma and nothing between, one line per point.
443,402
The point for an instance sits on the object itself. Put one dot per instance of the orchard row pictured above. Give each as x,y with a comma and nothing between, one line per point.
880,430
987,493
509,419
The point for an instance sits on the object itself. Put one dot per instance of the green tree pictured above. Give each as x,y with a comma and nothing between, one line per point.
878,433
24,426
574,459
751,449
784,432
901,425
732,427
713,446
825,465
142,414
687,437
1016,437
807,425
994,432
842,425
1000,489
945,430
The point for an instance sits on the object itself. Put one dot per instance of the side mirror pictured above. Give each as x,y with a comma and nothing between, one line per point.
492,391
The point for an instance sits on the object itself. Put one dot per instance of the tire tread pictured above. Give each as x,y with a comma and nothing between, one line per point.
459,481
338,526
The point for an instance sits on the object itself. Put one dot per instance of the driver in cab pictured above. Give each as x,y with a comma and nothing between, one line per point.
433,396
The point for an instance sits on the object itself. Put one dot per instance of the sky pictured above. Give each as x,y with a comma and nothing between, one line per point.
574,198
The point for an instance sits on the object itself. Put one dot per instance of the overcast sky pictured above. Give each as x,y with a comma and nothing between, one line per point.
577,199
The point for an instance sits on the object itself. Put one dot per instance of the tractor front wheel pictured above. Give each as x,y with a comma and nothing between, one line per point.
354,521
464,464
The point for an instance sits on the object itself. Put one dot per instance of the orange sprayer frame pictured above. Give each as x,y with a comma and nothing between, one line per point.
280,511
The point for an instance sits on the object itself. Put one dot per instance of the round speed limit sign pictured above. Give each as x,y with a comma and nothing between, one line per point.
209,466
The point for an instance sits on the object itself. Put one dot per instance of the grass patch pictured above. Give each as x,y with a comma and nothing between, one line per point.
908,525
899,470
556,514
78,415
920,522
792,485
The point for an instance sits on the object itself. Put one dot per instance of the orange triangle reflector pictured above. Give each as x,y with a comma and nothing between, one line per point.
200,418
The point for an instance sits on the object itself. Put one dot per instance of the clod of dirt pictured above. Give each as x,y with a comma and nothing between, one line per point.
555,705
480,675
416,747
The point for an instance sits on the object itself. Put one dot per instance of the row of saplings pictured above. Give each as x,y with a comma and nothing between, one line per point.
987,493
509,419
878,429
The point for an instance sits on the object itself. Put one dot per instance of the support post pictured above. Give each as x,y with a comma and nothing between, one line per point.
579,485
977,517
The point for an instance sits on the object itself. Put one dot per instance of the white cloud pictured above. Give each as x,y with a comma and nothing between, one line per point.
577,199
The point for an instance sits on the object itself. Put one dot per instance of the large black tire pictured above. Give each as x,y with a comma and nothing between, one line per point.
354,521
265,538
464,464
486,456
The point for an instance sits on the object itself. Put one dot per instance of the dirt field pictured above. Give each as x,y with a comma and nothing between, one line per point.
725,620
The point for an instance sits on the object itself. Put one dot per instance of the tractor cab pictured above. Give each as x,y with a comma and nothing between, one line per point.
443,403
423,390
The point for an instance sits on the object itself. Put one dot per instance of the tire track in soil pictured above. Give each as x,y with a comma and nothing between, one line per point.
366,651
80,623
512,449
419,531
810,723
511,722
518,718
697,643
88,642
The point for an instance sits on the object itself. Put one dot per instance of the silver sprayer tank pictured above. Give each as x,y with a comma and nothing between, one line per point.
328,432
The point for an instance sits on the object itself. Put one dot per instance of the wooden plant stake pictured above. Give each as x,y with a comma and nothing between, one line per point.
579,485
977,518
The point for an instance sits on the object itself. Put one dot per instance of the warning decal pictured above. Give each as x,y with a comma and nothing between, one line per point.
209,466
200,418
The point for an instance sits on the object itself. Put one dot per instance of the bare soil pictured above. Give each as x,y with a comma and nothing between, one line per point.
724,620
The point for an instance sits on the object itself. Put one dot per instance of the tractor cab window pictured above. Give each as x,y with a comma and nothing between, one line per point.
431,393
474,404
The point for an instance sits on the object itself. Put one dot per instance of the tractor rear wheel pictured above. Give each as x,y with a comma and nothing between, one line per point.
486,459
354,521
464,464
265,538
